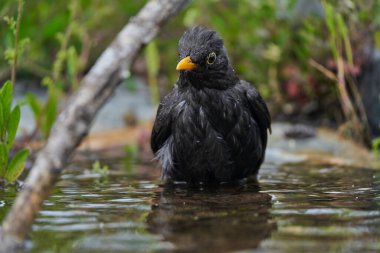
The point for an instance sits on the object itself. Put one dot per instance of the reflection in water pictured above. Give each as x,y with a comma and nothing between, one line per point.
229,218
296,209
324,209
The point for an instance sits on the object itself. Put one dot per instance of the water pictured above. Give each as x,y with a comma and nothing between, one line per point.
291,209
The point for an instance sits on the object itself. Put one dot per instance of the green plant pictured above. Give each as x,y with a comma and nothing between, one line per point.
341,48
130,157
17,46
9,120
45,113
11,169
339,44
376,146
270,43
98,168
152,60
46,20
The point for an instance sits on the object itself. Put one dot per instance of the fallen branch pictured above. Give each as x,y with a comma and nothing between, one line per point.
74,122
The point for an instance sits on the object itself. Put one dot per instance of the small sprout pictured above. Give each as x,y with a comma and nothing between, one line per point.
11,22
131,152
97,168
376,146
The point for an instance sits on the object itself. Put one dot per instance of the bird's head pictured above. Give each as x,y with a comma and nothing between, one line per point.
203,60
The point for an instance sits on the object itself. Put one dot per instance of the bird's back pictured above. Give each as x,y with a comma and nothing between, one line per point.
213,135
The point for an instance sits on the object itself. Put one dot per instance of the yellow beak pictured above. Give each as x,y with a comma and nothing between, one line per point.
186,64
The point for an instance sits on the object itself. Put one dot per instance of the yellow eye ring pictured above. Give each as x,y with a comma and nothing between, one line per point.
211,58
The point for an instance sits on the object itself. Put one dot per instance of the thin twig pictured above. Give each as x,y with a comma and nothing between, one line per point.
329,74
17,39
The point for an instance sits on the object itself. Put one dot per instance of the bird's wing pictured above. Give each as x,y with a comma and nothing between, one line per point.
162,125
257,106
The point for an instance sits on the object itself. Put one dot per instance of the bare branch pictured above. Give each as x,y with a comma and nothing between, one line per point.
329,74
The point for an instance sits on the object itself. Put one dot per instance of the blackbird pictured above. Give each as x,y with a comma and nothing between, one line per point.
212,127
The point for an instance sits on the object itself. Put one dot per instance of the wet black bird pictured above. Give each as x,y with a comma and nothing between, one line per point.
212,127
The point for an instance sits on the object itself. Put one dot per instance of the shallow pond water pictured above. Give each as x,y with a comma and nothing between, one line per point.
291,209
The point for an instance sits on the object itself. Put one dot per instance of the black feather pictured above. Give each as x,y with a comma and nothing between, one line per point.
213,127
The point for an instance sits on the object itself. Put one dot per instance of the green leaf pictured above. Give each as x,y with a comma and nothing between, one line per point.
376,146
344,32
11,22
341,25
72,61
34,104
3,159
330,22
100,169
9,55
2,125
16,166
51,110
72,66
329,12
13,122
6,99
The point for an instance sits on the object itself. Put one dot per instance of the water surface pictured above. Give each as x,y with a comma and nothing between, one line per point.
292,209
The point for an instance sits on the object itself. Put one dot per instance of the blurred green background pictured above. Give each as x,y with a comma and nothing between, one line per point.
277,45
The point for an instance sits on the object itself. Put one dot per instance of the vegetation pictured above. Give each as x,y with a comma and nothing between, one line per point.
11,169
304,62
341,48
9,120
376,146
100,169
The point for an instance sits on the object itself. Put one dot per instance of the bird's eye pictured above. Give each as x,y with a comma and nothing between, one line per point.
211,58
